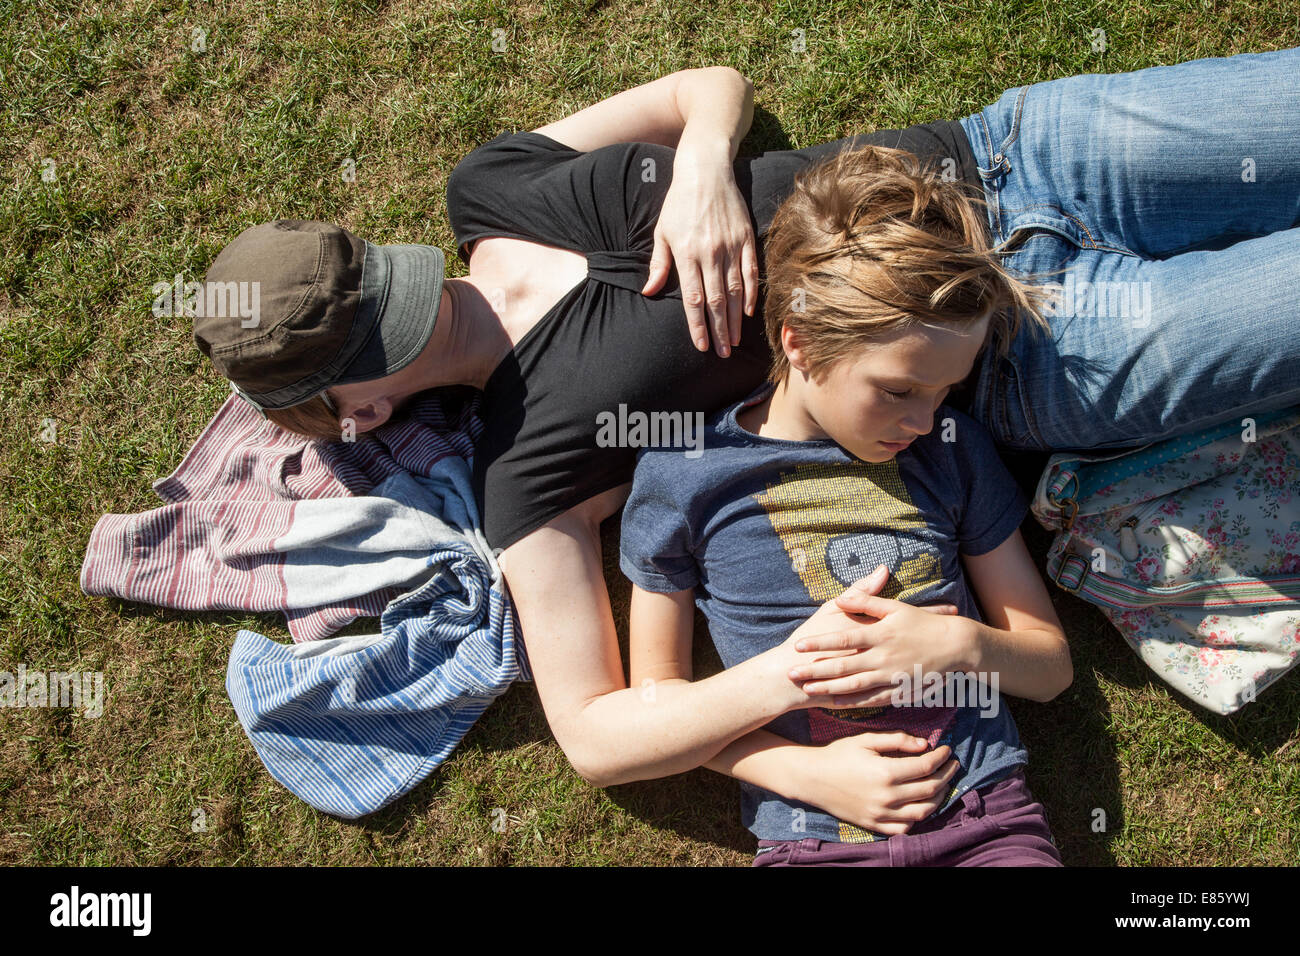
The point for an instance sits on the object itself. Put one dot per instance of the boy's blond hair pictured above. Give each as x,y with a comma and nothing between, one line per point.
871,242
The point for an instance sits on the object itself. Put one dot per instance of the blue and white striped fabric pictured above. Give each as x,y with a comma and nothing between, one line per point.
351,724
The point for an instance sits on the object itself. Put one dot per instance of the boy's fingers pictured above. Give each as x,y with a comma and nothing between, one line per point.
921,767
911,813
939,608
822,655
853,638
933,786
868,584
826,668
893,828
871,605
837,689
888,741
854,689
797,673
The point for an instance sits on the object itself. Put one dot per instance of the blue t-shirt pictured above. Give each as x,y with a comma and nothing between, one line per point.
767,530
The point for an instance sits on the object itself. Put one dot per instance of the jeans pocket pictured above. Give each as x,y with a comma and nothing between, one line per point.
1016,427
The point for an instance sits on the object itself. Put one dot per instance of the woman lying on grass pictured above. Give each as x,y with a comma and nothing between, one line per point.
587,238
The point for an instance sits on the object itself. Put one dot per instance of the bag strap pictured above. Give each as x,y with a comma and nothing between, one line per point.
1073,573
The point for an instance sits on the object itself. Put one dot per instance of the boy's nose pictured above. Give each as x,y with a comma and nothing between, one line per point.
924,428
916,427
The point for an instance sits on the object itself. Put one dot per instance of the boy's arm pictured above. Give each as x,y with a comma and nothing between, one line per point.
1022,643
609,733
850,780
660,634
1022,640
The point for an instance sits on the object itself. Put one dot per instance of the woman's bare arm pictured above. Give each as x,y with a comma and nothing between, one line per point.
612,733
707,109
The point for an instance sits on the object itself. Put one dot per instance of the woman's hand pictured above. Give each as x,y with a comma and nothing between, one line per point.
705,227
828,644
853,780
869,657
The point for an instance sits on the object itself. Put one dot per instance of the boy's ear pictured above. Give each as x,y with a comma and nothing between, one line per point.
792,343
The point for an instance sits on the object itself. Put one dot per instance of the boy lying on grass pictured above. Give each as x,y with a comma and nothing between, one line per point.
882,291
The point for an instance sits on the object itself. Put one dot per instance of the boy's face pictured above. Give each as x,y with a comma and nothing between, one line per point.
853,404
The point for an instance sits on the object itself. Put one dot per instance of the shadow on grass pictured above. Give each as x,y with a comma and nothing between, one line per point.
765,134
700,805
1073,762
268,623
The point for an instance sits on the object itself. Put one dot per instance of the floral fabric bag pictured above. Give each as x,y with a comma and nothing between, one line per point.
1191,547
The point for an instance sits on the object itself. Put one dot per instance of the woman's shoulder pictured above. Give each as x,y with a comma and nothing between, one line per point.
529,185
512,143
511,158
500,159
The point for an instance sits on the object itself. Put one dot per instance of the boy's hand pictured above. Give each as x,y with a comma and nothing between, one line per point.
900,638
826,642
852,780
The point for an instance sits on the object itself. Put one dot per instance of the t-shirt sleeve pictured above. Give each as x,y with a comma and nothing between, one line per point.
993,505
655,549
528,186
498,188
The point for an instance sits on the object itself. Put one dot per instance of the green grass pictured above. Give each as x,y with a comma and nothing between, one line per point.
163,154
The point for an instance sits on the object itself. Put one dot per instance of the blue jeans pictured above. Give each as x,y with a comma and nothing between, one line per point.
1170,197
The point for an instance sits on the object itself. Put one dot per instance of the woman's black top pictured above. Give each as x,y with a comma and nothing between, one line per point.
604,344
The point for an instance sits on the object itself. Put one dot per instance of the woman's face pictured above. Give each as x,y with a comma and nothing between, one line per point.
889,393
371,403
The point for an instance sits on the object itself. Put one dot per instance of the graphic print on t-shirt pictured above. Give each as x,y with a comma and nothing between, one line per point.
838,522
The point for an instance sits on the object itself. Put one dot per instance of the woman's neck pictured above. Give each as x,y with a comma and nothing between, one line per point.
468,341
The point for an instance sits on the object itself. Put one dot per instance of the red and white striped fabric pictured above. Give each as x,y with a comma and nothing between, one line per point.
237,493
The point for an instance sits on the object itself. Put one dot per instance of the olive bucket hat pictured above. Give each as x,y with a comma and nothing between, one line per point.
291,307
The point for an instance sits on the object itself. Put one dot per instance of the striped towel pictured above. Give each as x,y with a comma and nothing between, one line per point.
351,724
259,519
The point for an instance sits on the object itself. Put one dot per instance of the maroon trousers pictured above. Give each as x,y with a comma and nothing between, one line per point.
997,825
